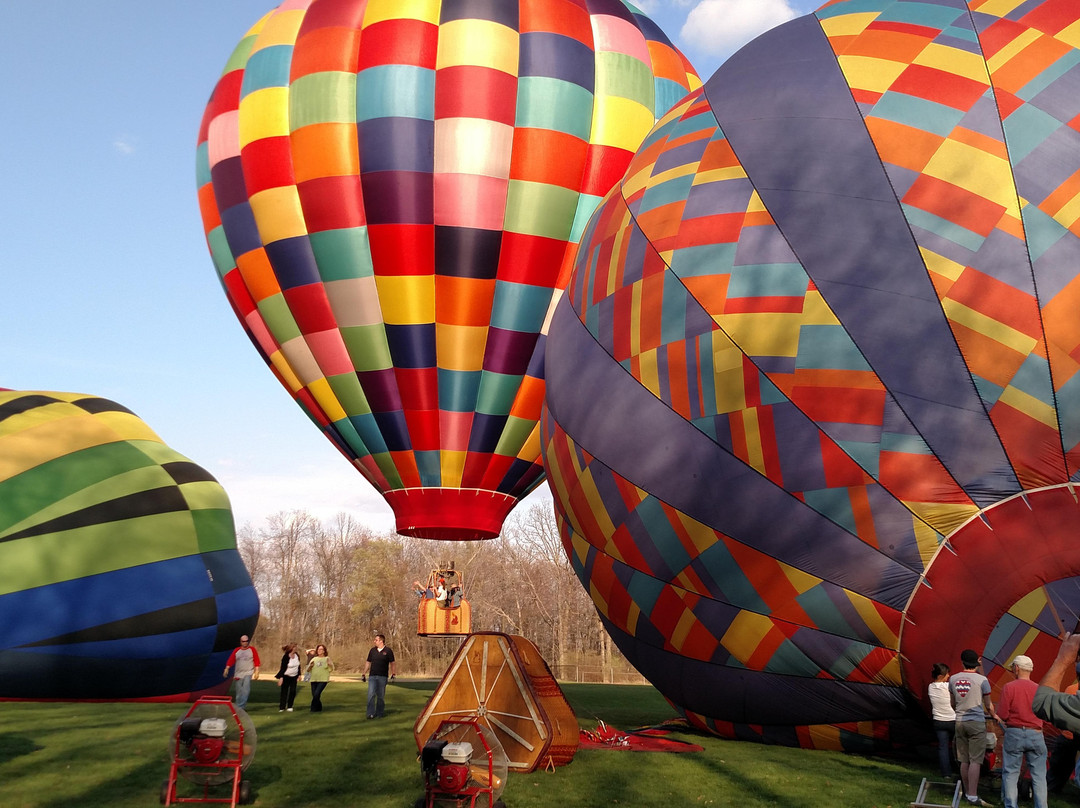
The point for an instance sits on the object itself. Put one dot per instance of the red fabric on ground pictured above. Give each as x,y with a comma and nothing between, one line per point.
651,739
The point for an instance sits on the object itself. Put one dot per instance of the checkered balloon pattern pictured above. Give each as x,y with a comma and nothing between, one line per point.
391,191
813,408
119,573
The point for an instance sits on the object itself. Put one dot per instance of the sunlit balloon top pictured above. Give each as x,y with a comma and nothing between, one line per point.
390,190
119,573
830,326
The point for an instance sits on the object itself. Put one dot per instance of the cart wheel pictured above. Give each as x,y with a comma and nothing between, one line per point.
420,803
499,804
163,796
244,795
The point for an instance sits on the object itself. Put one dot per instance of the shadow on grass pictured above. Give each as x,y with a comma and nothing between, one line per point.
131,786
13,746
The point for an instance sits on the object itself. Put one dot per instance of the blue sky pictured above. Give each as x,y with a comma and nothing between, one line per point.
108,287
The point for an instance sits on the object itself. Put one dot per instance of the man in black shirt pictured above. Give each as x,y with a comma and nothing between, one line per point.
380,663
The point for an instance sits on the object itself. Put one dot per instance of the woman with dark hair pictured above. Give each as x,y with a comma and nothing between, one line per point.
320,668
287,675
943,715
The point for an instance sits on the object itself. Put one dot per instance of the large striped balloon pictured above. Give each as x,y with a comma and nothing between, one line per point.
119,573
390,189
813,395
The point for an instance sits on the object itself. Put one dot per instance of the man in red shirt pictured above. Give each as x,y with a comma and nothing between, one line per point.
1023,736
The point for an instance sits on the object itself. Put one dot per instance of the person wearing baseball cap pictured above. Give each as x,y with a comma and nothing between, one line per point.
970,694
1023,735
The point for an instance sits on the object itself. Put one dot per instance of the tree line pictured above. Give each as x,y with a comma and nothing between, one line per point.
339,583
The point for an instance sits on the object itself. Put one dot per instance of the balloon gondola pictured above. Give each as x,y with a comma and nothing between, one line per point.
391,193
443,611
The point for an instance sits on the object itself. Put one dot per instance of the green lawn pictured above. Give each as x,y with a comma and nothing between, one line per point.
117,755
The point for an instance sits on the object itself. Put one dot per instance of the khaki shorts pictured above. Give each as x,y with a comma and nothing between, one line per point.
970,741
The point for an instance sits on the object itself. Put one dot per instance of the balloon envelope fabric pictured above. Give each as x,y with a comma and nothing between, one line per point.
390,192
813,411
119,573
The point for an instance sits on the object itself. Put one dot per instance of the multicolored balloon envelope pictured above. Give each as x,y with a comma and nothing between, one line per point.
813,409
119,573
390,192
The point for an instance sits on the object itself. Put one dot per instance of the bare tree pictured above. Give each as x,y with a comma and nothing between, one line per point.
339,583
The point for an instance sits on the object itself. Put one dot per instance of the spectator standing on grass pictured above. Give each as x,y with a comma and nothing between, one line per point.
287,675
969,691
380,664
943,715
246,660
320,668
1023,735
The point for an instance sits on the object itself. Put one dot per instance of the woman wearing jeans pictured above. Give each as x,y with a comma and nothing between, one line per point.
944,716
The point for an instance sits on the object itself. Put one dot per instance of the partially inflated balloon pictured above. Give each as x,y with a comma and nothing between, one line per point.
119,573
813,402
390,190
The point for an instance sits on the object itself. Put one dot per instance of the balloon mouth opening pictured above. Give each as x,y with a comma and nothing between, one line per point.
1033,626
1007,582
449,514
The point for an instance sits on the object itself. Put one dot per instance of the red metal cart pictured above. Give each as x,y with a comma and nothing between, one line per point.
212,743
464,766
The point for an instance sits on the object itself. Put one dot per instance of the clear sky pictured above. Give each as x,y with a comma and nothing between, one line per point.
107,285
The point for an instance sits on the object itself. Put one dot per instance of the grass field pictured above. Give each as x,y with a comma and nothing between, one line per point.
117,755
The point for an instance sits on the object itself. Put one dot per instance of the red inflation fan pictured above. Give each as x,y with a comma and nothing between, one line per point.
212,743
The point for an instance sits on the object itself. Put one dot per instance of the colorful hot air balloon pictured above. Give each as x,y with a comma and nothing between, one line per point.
119,573
813,409
390,190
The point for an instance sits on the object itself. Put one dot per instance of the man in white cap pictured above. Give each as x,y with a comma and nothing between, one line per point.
1023,735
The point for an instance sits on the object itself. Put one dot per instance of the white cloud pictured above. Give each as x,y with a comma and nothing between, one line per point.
719,27
124,144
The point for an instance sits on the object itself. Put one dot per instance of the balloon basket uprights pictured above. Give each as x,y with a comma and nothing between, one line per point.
449,514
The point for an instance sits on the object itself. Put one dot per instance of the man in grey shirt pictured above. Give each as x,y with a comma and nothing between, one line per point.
969,691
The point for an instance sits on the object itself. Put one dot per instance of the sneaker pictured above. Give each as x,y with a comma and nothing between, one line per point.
281,711
289,710
980,802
